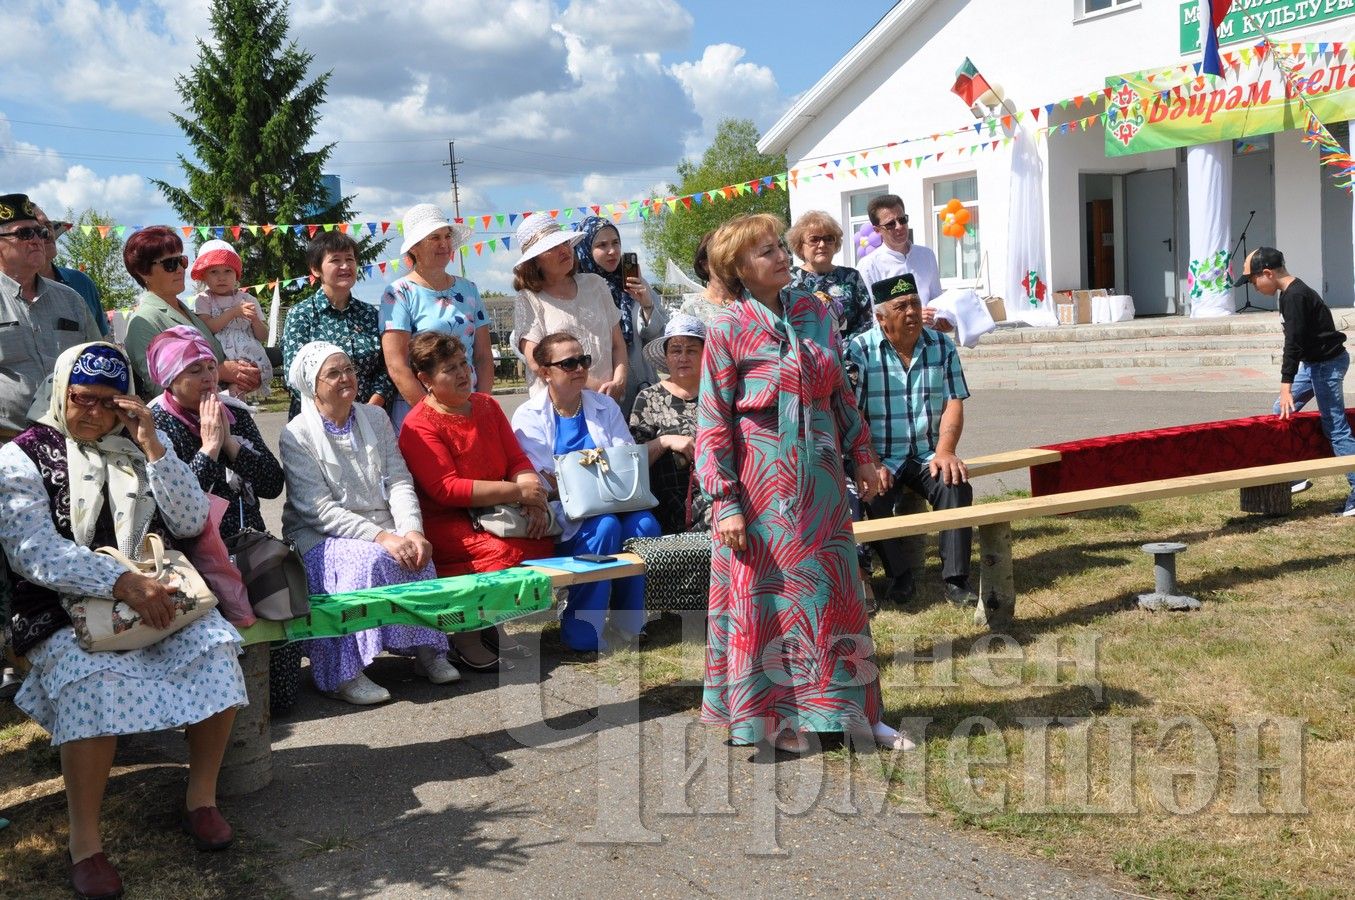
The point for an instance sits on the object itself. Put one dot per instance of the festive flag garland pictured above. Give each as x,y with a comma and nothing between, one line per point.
1329,150
993,133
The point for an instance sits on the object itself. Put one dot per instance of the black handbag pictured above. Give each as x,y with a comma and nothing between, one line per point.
273,573
677,569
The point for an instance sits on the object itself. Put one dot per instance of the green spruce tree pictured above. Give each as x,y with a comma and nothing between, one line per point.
251,114
732,158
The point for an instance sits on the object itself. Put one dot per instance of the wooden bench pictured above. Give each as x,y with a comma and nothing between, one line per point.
997,594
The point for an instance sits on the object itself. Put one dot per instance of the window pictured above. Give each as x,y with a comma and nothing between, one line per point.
958,259
1087,9
856,217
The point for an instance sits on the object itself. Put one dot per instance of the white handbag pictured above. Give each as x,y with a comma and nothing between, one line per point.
113,625
598,482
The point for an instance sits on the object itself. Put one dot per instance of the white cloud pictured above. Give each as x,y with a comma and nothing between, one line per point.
129,198
629,24
722,86
25,162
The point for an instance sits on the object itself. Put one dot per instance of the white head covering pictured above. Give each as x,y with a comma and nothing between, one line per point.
113,462
302,376
539,233
422,220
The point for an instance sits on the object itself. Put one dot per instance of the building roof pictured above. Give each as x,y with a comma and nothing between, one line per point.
812,102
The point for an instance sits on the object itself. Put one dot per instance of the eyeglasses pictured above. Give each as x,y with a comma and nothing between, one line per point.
28,233
92,401
820,239
334,376
171,264
900,222
571,363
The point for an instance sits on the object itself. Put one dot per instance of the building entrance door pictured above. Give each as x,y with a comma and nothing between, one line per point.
1151,245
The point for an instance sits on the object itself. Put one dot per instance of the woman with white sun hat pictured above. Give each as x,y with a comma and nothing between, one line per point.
553,298
432,299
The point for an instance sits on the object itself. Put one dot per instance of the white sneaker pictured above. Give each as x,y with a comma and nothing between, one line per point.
433,665
1298,487
361,691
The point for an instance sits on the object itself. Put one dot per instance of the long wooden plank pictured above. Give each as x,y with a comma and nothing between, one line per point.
1009,460
559,578
1097,498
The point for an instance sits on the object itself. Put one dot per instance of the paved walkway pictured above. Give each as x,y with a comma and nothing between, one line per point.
554,784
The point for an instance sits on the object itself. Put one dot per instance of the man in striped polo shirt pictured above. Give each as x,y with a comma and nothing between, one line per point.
911,390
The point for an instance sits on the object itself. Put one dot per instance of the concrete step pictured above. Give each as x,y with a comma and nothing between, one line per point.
1153,359
1157,327
1200,343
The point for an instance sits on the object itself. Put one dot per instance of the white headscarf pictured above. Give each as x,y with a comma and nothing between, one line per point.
113,462
302,376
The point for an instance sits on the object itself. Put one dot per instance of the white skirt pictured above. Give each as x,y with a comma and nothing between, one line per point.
184,678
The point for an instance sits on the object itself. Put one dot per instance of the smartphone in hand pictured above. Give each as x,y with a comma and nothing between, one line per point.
630,265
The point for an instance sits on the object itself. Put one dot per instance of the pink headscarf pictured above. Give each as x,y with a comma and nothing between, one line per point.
169,353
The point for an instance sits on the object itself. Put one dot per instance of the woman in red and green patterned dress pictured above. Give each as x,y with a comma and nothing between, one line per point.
789,648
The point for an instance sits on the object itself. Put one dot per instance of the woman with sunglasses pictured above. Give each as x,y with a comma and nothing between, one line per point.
565,417
155,259
815,238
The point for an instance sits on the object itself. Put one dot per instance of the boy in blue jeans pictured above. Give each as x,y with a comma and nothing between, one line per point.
1311,338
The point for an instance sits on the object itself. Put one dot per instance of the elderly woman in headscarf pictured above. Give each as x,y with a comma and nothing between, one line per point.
92,472
642,318
353,514
216,435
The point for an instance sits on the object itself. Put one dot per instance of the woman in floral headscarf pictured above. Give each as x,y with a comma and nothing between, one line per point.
642,318
94,472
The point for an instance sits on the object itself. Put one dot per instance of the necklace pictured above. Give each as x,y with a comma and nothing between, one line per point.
578,405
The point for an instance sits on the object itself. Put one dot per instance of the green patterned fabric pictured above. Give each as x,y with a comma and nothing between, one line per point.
461,603
1209,275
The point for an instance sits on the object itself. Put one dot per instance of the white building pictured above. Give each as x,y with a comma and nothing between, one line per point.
1113,221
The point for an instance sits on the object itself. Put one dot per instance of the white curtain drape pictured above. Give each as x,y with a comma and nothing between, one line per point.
1025,238
1209,181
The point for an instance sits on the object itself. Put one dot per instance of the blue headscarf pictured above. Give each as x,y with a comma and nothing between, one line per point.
616,279
102,364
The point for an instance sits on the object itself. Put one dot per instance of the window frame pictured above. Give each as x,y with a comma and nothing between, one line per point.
1080,13
854,222
935,237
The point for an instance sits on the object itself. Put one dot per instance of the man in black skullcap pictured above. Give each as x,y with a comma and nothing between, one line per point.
911,390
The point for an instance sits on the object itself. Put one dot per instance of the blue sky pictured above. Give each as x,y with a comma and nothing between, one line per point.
552,102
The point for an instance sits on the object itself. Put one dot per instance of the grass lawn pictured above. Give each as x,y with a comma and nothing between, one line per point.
1273,640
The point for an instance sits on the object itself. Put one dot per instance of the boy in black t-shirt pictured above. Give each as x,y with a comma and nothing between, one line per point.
1310,337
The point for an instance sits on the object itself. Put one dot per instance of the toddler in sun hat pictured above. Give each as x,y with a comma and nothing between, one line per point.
233,315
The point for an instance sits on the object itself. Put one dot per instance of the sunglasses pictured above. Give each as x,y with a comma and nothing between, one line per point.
820,239
569,364
28,233
91,401
171,264
900,222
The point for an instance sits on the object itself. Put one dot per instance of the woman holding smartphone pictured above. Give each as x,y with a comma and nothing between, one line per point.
642,319
564,418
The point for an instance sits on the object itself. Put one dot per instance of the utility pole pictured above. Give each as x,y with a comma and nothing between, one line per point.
452,162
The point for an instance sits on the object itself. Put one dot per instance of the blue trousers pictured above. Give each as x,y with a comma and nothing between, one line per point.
1301,390
1331,405
585,611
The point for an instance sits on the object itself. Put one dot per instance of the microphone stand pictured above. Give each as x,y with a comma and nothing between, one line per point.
1242,243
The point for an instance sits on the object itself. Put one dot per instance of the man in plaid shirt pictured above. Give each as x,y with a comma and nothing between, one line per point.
911,390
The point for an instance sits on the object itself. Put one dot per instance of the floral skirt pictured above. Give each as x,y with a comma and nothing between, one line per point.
182,679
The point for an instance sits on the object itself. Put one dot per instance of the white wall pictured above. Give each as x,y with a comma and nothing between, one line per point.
1038,53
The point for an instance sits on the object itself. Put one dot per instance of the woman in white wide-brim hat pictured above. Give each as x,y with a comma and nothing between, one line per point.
432,299
553,298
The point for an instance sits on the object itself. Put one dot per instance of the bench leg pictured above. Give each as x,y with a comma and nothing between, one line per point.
248,763
997,589
1267,499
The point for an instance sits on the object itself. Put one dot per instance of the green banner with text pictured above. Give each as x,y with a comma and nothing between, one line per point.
1273,17
1143,114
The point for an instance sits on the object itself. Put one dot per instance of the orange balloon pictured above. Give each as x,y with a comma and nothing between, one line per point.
962,216
953,205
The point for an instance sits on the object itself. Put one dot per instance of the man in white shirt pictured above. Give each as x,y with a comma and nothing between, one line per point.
900,256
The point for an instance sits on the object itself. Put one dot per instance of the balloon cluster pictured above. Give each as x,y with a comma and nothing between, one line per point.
954,219
867,240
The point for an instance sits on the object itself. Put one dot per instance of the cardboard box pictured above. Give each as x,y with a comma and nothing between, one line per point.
1082,302
1067,313
997,308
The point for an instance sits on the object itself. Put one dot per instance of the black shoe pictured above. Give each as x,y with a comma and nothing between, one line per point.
960,595
10,682
618,640
901,591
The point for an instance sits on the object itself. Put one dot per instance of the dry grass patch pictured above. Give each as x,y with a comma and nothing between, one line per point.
1152,699
141,828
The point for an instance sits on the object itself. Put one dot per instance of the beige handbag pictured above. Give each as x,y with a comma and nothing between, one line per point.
506,520
113,625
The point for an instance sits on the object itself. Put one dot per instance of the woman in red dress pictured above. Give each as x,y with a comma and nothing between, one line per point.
462,453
